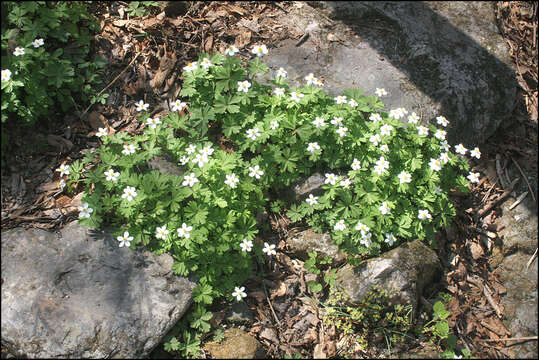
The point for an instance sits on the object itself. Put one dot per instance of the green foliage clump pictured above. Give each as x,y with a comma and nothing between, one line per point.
53,71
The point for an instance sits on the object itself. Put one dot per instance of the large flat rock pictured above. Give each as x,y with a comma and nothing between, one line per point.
434,58
73,294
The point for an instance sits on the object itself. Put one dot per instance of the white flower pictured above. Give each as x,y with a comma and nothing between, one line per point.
184,160
125,240
379,169
312,147
63,169
232,180
178,105
423,215
191,149
445,146
440,134
353,103
336,120
444,157
278,91
362,227
342,131
341,99
184,231
310,79
366,239
255,171
384,148
231,50
312,199
281,73
246,245
435,164
460,149
142,106
330,179
405,177
129,193
18,51
356,165
201,159
397,113
260,50
244,86
253,133
161,232
382,162
111,175
386,129
346,183
438,190
296,96
442,121
384,208
6,75
413,118
340,225
61,184
375,139
207,151
191,66
475,153
318,122
205,63
318,82
239,293
153,122
375,118
455,356
129,149
380,92
473,177
269,249
85,211
189,180
421,130
390,239
38,42
101,132
274,124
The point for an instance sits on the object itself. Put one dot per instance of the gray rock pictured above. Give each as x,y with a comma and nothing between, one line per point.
73,294
237,344
239,312
308,185
165,165
300,244
434,58
404,271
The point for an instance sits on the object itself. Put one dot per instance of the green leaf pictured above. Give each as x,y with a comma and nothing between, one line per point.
443,329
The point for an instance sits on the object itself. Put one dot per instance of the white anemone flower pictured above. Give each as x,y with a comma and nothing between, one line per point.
178,105
63,169
353,103
112,175
413,118
318,122
85,211
390,239
384,208
345,183
274,124
260,50
269,249
339,225
125,240
435,164
246,245
341,99
294,96
342,131
331,179
18,51
142,106
384,148
380,92
255,171
190,67
6,75
239,293
375,118
356,164
38,42
281,73
422,130
129,149
231,50
191,149
153,122
440,134
444,157
278,91
336,121
161,232
441,120
312,147
460,149
205,63
475,153
101,132
232,180
310,79
473,177
129,193
184,231
312,200
253,133
386,130
244,86
405,177
189,180
423,215
375,139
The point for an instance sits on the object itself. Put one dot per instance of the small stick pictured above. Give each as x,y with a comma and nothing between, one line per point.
499,172
271,307
528,338
488,192
502,197
531,259
519,200
525,178
303,39
112,82
492,303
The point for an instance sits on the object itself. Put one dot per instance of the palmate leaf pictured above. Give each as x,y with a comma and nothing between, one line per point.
294,213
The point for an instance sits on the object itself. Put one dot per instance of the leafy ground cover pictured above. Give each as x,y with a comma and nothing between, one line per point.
31,199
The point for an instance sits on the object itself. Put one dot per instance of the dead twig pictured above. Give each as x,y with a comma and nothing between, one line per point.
499,171
502,197
525,178
531,259
271,306
488,192
526,338
486,292
518,200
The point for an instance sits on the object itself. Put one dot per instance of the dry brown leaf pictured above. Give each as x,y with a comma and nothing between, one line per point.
59,143
235,9
96,120
50,186
243,39
280,291
208,43
76,201
318,352
121,23
63,201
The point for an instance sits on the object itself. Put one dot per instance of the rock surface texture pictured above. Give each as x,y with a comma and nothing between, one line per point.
74,295
433,58
300,244
404,271
237,344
